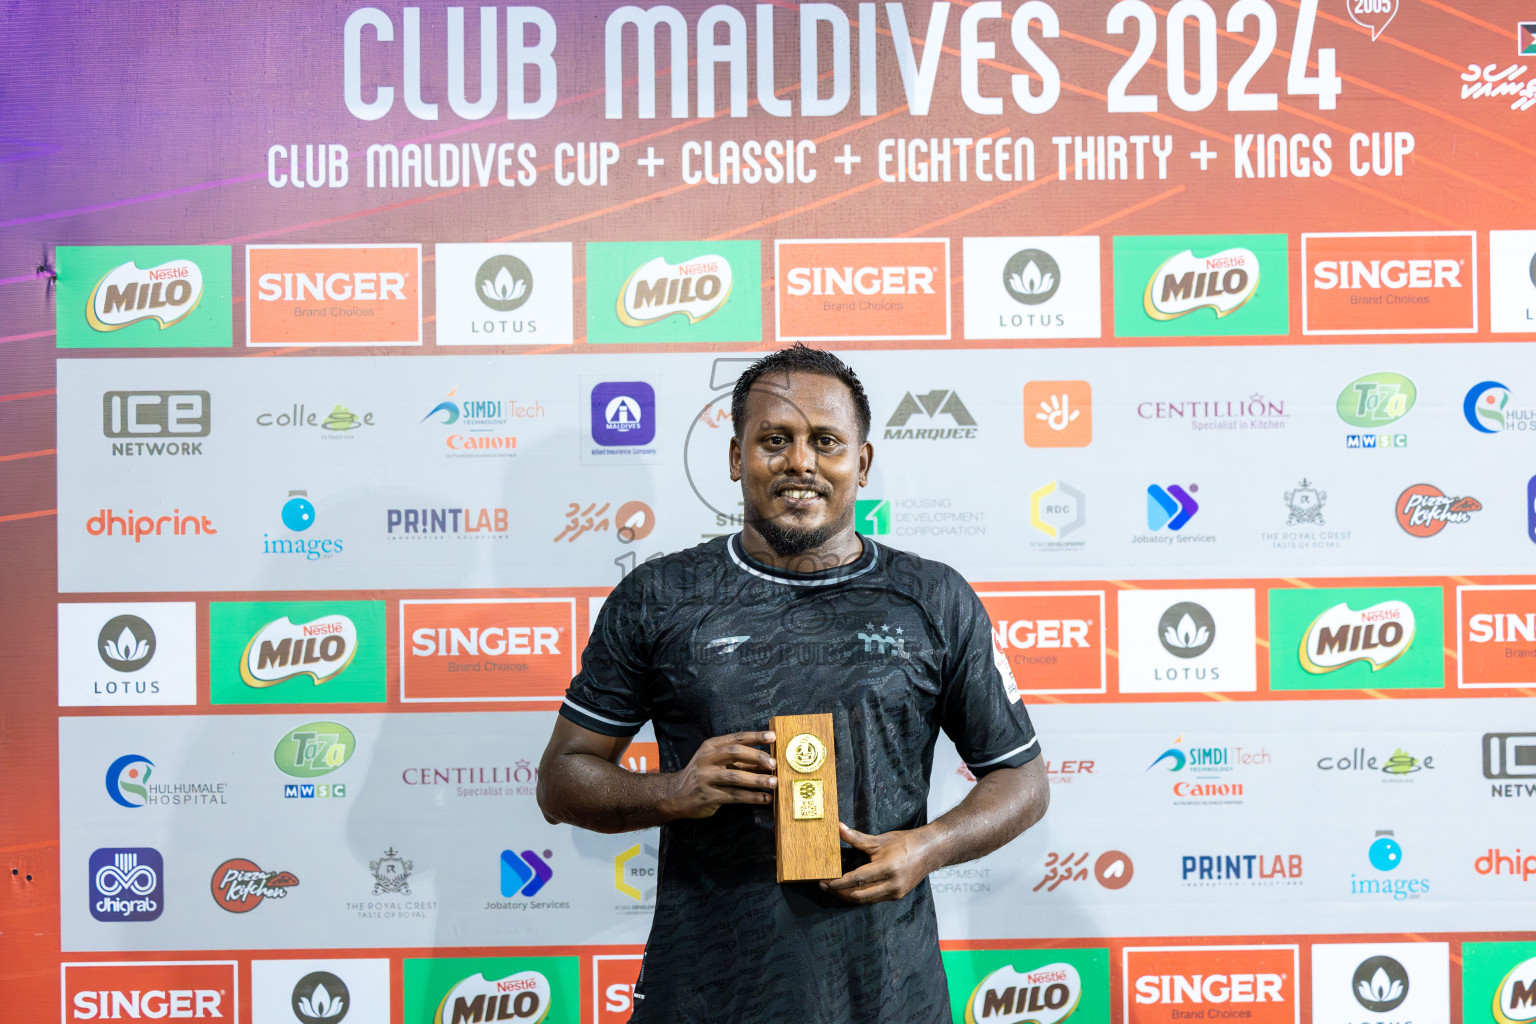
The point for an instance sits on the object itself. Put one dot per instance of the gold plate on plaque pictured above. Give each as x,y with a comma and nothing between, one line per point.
808,802
805,754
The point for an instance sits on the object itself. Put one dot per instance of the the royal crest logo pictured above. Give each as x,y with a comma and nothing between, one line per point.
695,288
524,996
1306,505
1342,636
391,874
1222,282
1044,995
129,293
239,886
284,650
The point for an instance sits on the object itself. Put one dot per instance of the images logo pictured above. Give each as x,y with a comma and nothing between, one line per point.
314,749
934,404
126,643
524,874
1424,509
1172,507
333,295
1484,407
875,289
623,414
1385,853
1161,981
279,652
1052,641
239,886
126,884
1067,513
1168,286
1340,636
494,649
1013,287
298,515
320,997
1058,414
639,292
1385,856
150,989
1319,641
176,415
1186,630
1410,282
1380,984
127,780
144,296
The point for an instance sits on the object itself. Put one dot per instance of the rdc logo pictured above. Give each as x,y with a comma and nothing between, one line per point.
126,884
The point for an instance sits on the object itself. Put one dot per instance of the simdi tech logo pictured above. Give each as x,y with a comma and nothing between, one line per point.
874,289
642,293
1053,640
1498,982
1356,638
504,294
127,655
1410,282
204,990
144,296
491,649
1496,638
286,652
1205,285
333,295
1164,984
1032,287
482,990
1028,986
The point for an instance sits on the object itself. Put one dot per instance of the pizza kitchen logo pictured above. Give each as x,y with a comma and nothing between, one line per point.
239,886
1423,510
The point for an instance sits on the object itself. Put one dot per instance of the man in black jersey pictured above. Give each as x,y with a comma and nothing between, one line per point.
796,614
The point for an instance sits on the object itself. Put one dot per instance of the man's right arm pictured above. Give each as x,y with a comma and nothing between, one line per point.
581,783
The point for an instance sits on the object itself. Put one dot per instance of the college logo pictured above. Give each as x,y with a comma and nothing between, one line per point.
169,417
874,289
1058,414
127,654
280,652
1014,287
126,884
1170,507
1423,510
524,874
1167,983
479,990
1183,641
333,295
1170,286
490,294
623,414
1025,986
128,780
1355,638
207,990
1512,281
239,886
1052,641
493,649
1399,766
1058,510
639,292
929,407
1411,282
144,296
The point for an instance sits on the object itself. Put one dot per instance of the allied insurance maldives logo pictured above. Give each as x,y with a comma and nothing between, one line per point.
1206,285
333,295
284,652
144,296
872,289
653,292
1411,282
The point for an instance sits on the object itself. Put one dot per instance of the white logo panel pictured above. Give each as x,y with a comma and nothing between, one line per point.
1046,287
1512,281
1368,982
494,294
1187,641
121,654
350,991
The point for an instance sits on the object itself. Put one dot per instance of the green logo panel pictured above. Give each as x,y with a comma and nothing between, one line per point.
641,293
484,989
1047,986
872,516
144,296
296,652
1177,286
1498,982
1356,638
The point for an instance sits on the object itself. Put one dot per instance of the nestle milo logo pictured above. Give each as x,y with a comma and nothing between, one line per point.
695,288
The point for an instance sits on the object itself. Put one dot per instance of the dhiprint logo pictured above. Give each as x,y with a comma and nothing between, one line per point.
1013,287
119,654
1171,507
128,780
151,990
524,874
160,420
144,296
503,283
1163,983
1407,282
1423,510
623,414
107,523
932,405
333,295
1380,984
391,874
1341,636
645,292
1186,630
126,643
870,288
239,886
1058,414
320,997
126,884
1173,286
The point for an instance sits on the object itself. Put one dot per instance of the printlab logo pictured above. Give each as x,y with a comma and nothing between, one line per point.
503,283
239,886
1058,414
930,407
144,296
320,997
391,874
126,884
623,414
524,874
1423,510
128,780
1170,507
154,423
126,643
1058,510
1186,630
1380,984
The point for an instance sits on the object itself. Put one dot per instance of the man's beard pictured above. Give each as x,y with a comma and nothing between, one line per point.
788,541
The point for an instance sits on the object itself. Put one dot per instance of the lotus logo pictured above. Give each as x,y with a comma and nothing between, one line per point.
1515,1000
1185,283
1380,984
1044,995
1484,407
320,998
695,288
503,283
126,643
524,996
1186,630
1031,276
1342,636
128,294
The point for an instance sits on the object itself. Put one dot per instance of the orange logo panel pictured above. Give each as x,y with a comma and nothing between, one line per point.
614,978
863,289
1058,414
1256,985
129,991
1498,637
1398,284
1053,642
333,295
486,650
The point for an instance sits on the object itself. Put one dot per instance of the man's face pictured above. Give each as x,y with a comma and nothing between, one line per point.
800,460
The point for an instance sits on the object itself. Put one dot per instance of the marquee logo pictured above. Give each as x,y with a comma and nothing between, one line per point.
1222,282
644,292
695,289
493,649
144,296
239,886
876,289
1423,510
279,652
1340,636
150,990
930,406
1165,984
126,884
333,295
1044,995
1410,282
1181,285
1053,641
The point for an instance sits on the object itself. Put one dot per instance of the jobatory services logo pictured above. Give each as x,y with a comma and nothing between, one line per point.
240,886
1187,641
207,990
156,423
1032,287
874,289
1351,638
1171,508
1411,282
1512,280
284,652
491,649
1368,982
1496,637
333,295
1203,285
642,293
1163,984
320,991
525,873
504,293
1058,414
144,296
1057,510
126,884
1423,510
937,415
142,653
1498,977
478,990
1053,641
1375,401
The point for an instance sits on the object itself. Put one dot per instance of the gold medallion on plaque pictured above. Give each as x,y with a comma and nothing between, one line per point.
808,802
805,754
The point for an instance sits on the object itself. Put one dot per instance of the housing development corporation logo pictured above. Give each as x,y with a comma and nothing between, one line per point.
1355,638
126,884
150,990
144,296
279,652
1181,285
1423,510
1164,984
873,289
1411,282
333,295
1032,287
648,292
496,649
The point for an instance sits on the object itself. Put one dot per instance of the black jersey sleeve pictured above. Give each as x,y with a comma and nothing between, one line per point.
981,710
609,695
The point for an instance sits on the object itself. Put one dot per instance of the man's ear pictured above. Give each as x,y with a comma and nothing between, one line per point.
866,460
735,459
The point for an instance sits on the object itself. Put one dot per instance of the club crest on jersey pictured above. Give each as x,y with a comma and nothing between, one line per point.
882,641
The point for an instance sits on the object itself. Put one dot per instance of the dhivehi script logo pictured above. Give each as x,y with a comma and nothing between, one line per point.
695,288
1341,636
1514,1002
1045,995
522,997
128,294
1185,283
283,650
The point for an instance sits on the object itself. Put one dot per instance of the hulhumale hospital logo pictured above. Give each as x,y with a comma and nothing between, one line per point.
128,779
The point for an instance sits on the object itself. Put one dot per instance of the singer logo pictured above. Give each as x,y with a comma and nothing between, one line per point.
868,288
1053,640
613,982
333,295
1173,983
495,649
1498,636
1341,636
1389,283
150,990
128,294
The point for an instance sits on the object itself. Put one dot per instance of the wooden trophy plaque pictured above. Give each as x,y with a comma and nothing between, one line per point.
805,807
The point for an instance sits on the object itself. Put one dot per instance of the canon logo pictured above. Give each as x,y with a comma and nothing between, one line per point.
452,642
341,287
153,1004
1024,634
1356,274
861,280
1209,988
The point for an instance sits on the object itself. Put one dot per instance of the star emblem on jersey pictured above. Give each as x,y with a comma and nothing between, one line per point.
881,641
806,753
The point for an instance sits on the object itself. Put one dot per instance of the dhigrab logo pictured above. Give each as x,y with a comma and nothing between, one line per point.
126,884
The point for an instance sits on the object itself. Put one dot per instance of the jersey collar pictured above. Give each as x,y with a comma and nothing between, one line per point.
820,578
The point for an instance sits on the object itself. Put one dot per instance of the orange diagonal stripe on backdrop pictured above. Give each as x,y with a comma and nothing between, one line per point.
29,515
29,455
1506,33
28,394
978,206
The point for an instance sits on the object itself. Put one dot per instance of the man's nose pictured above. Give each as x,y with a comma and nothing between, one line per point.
801,458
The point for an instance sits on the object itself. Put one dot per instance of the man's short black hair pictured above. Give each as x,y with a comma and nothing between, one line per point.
799,358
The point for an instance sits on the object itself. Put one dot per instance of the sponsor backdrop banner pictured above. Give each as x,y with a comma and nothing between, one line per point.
350,355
